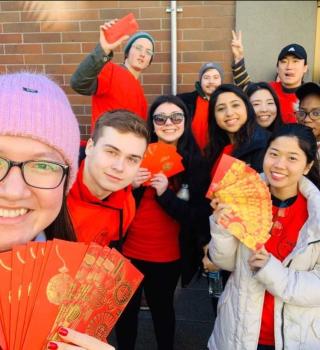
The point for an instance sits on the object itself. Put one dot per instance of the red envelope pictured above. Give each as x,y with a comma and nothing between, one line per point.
161,157
125,26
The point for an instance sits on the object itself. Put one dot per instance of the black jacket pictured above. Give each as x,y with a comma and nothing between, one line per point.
193,216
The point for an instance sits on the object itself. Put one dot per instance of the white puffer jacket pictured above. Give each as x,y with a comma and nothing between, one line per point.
295,284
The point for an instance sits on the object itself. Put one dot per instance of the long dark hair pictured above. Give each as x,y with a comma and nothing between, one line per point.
186,145
62,227
253,87
218,138
308,144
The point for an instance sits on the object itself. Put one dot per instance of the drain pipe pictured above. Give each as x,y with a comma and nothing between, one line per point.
173,11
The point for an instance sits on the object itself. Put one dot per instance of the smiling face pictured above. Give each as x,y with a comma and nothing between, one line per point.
308,104
291,70
284,164
264,107
112,162
140,55
210,80
230,113
169,132
26,211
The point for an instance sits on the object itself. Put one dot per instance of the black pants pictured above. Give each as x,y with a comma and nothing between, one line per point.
265,347
159,283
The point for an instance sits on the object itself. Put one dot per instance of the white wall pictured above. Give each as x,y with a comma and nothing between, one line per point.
268,26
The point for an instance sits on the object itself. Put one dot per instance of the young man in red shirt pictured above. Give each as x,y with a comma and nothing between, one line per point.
100,202
291,67
114,86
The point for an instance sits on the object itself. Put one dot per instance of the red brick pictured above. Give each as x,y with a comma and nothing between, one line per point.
57,78
190,78
10,38
185,88
88,47
90,26
161,35
117,13
188,67
11,59
42,38
190,45
62,48
200,34
43,59
1,49
79,99
223,44
3,69
21,27
134,4
152,89
162,57
73,58
220,22
154,12
13,5
202,56
149,24
83,119
23,49
59,26
166,89
9,17
64,15
60,68
78,109
29,67
184,23
80,37
69,5
155,78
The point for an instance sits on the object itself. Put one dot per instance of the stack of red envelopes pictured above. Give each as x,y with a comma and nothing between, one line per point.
45,285
236,184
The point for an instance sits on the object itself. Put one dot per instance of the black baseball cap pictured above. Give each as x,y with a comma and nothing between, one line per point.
307,89
295,50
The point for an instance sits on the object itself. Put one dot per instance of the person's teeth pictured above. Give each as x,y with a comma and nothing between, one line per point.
12,213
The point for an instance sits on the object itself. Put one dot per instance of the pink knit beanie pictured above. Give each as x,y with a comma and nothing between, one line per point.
32,105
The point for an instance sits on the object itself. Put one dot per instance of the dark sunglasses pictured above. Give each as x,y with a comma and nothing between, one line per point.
175,118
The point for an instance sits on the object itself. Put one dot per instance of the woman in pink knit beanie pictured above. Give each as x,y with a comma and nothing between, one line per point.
39,143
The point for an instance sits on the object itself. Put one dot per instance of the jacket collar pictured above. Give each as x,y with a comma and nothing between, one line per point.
81,192
200,91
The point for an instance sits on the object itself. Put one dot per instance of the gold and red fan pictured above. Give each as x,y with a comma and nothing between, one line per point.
236,184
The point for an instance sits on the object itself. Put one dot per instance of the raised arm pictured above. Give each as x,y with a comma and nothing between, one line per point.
85,79
240,74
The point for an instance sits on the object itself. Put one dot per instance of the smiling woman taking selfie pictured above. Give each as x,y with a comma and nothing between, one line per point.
272,300
39,143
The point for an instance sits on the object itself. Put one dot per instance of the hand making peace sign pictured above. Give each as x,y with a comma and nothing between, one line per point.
237,46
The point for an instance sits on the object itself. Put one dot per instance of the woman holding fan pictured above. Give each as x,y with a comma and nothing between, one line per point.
162,239
271,300
39,142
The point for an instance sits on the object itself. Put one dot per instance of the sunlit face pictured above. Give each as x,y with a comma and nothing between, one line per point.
170,132
264,107
308,104
26,211
291,70
139,55
230,112
112,163
284,164
210,80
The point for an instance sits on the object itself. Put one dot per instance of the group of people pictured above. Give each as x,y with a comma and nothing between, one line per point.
167,228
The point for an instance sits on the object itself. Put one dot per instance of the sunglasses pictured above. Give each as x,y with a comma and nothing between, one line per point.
175,118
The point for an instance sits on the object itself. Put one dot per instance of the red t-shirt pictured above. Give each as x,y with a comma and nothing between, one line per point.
154,234
287,101
284,235
118,88
200,122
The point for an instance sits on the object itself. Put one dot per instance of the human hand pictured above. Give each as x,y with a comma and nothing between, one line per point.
73,340
222,213
237,46
258,259
160,183
142,176
106,46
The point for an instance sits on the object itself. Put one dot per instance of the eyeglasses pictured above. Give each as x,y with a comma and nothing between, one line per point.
302,115
141,49
36,173
175,118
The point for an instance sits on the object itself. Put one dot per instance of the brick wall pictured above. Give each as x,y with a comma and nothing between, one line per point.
54,36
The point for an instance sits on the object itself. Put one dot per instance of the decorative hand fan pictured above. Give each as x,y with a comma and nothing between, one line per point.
236,184
161,157
43,286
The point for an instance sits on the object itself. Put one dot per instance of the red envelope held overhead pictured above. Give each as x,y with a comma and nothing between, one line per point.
125,26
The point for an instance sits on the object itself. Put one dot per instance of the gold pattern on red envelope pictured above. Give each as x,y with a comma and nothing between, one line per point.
54,283
236,184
